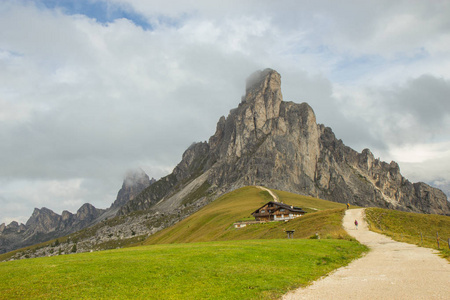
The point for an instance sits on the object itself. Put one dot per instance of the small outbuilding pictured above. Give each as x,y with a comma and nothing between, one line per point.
277,211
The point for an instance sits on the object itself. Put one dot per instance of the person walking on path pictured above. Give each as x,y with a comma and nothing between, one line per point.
356,224
348,205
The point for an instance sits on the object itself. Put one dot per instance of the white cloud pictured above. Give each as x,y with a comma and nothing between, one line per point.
82,100
419,153
435,170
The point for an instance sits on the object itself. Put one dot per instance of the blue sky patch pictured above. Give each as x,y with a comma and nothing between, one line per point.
349,68
101,11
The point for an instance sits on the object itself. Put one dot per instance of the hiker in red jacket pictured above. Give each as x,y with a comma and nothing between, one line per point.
356,224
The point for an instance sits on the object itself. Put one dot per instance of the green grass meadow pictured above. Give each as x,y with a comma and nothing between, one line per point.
252,269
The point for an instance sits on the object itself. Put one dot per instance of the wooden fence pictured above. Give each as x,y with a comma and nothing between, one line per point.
432,239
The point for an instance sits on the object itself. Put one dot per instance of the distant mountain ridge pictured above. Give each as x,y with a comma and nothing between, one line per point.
44,224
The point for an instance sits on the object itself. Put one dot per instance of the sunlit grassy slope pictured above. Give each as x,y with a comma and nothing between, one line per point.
254,269
415,228
215,221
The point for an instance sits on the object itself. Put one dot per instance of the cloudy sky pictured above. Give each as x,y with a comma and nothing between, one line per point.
90,89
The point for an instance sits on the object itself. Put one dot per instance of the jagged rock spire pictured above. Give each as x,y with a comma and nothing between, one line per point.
135,182
263,94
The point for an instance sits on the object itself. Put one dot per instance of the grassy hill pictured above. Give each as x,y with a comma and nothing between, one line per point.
215,221
414,228
211,260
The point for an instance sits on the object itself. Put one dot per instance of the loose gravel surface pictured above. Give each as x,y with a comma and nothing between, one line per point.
391,270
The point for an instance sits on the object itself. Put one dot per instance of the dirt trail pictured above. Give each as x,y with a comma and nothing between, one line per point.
391,270
274,196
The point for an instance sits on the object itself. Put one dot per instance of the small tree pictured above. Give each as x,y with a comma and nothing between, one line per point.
74,248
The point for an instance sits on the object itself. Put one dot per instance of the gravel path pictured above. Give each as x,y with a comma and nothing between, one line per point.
391,270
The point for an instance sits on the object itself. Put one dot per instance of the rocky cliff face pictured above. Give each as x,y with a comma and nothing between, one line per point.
267,141
369,181
43,220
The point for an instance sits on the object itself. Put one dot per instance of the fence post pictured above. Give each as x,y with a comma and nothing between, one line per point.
437,238
421,239
448,243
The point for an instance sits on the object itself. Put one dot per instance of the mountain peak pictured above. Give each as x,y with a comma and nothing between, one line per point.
263,94
262,79
135,182
266,141
43,220
136,177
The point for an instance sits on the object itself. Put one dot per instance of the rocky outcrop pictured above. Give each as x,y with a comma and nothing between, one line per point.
192,166
43,220
13,227
367,181
46,221
267,141
135,182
